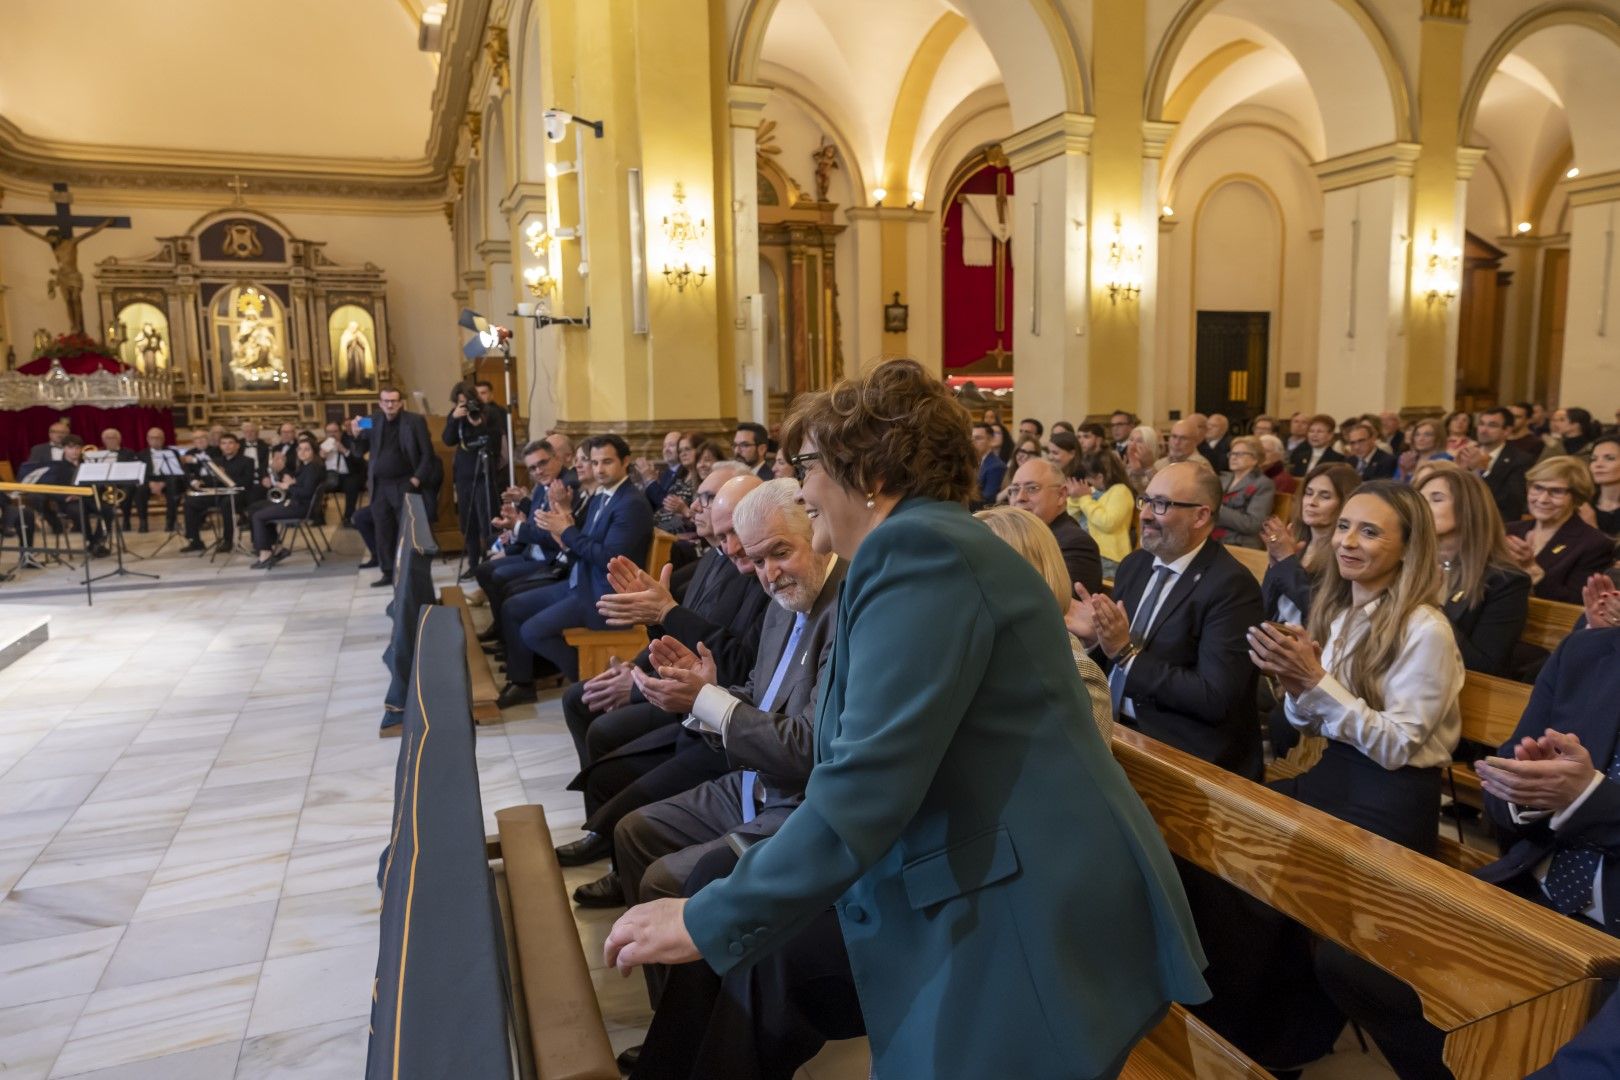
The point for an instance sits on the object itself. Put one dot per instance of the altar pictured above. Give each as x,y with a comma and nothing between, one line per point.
247,321
83,382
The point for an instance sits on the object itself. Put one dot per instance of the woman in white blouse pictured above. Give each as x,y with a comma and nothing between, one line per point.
1378,673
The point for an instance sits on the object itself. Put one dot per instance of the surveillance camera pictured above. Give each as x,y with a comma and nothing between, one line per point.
557,123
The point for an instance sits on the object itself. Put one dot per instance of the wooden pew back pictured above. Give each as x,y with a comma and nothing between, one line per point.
598,647
1508,981
1549,623
1254,558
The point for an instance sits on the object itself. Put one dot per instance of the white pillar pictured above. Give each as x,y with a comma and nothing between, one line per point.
1590,374
747,107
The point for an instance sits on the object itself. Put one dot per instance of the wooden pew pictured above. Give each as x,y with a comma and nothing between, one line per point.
1508,981
560,1028
1491,708
1549,623
481,684
1254,558
1282,507
598,647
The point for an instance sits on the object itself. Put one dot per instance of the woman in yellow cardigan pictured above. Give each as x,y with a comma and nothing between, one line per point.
1100,494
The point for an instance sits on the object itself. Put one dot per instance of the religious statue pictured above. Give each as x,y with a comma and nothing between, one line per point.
355,348
66,277
826,158
253,344
149,347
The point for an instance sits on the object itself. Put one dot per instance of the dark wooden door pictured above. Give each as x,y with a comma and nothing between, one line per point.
1231,364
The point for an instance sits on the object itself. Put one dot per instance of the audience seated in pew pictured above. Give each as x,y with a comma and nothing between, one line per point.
722,610
1039,487
1100,494
1171,636
1602,512
780,690
1317,449
1556,548
1502,466
1370,461
1246,496
525,556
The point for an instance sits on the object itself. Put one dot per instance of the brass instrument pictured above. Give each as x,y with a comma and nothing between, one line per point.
278,496
111,495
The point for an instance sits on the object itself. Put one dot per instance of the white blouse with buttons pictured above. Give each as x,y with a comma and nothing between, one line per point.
1419,724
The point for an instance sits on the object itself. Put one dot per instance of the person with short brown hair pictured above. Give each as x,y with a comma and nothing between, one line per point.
1317,449
1555,547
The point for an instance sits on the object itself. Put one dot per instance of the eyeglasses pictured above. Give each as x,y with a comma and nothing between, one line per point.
800,462
1161,505
1016,490
744,445
1241,453
702,499
1549,491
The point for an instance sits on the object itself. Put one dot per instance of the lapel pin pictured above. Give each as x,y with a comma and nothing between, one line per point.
1559,548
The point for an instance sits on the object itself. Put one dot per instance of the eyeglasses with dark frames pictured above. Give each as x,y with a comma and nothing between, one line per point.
1161,505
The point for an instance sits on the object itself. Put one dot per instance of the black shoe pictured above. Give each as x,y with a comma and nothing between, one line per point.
468,574
605,891
513,694
587,849
369,564
492,634
143,527
278,556
382,582
195,545
628,1060
260,564
101,551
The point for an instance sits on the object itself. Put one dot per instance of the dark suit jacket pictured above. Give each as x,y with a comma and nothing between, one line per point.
991,471
724,609
1381,466
1217,453
414,443
1506,481
1299,461
623,527
40,454
781,743
1286,578
1487,632
1080,552
1575,553
1575,693
1192,685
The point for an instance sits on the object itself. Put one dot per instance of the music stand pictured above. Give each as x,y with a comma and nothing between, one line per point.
170,459
110,473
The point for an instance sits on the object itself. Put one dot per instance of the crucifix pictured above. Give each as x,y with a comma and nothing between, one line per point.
58,233
1001,258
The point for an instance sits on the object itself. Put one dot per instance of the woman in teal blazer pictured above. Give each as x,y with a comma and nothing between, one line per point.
1008,905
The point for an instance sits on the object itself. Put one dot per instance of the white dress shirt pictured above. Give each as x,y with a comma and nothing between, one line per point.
1177,568
1420,723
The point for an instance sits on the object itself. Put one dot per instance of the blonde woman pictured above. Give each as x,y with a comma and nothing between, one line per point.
1383,687
1032,538
1556,548
1142,452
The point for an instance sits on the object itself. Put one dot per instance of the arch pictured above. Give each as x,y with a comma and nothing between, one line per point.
1274,346
1002,25
529,108
1521,29
834,131
908,103
1171,182
496,172
1187,19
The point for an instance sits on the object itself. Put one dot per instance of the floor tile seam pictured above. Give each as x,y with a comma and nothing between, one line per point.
78,1016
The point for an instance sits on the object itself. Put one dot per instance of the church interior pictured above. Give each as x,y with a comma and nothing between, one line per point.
651,230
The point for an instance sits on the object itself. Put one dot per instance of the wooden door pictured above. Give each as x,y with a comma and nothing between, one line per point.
1231,362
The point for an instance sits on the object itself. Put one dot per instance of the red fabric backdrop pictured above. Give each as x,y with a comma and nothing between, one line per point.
21,431
73,365
970,291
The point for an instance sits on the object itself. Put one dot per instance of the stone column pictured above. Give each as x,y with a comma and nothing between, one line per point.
746,109
1590,374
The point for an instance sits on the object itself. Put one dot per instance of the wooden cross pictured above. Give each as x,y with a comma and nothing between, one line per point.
58,233
1001,257
237,185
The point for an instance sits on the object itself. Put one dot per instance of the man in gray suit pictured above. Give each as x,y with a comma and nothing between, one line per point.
765,727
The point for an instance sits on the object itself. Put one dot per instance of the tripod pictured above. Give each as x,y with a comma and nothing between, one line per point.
116,526
481,510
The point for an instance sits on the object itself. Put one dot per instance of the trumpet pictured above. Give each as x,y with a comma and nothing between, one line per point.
111,495
278,495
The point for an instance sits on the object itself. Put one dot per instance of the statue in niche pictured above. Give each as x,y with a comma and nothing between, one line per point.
826,158
355,350
150,349
253,345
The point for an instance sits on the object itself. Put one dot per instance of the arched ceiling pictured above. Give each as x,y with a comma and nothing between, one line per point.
336,79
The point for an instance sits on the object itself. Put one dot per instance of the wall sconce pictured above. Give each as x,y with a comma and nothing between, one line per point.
878,195
1440,272
1123,273
541,283
680,233
537,239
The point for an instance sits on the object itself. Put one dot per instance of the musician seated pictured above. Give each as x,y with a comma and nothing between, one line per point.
296,494
237,468
50,450
344,460
112,441
60,511
165,476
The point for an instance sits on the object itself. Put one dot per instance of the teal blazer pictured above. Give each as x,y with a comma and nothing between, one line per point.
1008,903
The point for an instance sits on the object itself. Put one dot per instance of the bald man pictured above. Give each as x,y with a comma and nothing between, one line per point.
112,441
1182,445
51,449
1038,487
1172,637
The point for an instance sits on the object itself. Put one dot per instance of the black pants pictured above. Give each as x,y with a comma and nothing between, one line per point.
387,509
631,779
760,1021
197,508
598,734
264,533
174,493
351,484
367,528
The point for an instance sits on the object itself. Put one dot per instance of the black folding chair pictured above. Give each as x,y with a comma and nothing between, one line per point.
303,527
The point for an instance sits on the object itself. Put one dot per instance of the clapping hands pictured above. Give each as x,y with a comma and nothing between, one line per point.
1602,601
1288,654
681,675
637,598
1548,773
1279,540
1097,620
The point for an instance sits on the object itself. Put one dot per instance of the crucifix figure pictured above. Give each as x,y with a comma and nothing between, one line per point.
58,233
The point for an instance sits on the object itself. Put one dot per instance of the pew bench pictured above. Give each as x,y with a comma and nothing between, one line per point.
598,647
1508,981
481,684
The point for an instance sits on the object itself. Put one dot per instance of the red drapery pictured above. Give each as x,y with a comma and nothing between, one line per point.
970,291
73,365
20,431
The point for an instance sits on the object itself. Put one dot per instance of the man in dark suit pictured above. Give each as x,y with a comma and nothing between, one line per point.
763,724
1172,638
991,468
164,476
1317,449
344,461
1037,486
527,557
1553,791
1502,467
238,469
51,450
1217,442
616,521
400,456
112,441
258,450
1370,462
750,444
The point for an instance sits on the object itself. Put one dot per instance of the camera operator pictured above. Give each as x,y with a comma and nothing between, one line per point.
475,427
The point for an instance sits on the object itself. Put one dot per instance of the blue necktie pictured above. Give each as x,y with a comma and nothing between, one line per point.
1140,622
750,777
1570,878
585,524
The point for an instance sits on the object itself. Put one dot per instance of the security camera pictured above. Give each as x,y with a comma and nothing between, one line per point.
557,123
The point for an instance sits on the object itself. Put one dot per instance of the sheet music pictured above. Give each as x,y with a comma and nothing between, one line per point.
94,472
100,455
127,472
220,474
166,463
35,476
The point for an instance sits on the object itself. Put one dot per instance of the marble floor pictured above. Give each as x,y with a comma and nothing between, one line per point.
192,801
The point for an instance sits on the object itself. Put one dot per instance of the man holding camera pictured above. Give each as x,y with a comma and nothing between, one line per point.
476,428
401,460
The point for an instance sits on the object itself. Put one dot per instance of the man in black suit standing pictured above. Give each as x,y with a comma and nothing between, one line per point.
1502,466
1037,486
1317,449
1371,463
401,454
1172,640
